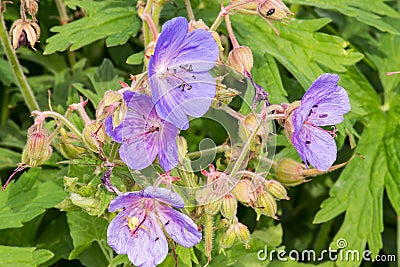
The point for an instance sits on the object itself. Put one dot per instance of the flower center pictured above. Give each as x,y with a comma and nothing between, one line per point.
134,225
176,72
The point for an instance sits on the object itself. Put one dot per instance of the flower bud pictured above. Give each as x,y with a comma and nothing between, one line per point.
287,123
94,134
241,59
213,205
228,238
273,9
110,98
199,24
290,172
266,205
32,8
276,189
37,149
229,206
24,32
224,95
242,233
242,191
67,147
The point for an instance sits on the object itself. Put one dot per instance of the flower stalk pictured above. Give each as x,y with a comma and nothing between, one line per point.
16,68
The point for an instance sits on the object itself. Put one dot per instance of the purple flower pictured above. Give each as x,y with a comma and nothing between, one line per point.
144,135
180,82
323,104
138,229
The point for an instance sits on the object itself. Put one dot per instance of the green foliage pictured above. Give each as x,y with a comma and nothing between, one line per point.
370,12
43,225
14,209
23,257
103,20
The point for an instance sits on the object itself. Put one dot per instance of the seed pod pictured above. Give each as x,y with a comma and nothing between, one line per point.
229,206
273,9
32,8
276,189
241,59
228,238
266,205
24,32
242,191
94,134
242,233
213,205
290,172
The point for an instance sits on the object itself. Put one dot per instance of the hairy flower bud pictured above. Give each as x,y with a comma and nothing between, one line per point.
273,9
110,98
290,172
67,147
266,205
32,8
24,32
213,205
242,191
276,189
94,134
242,233
241,59
229,206
228,238
37,149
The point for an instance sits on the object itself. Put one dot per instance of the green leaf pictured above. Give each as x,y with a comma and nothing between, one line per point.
114,20
135,59
23,257
386,59
84,230
6,74
55,236
266,73
359,190
9,158
104,78
370,12
301,49
25,199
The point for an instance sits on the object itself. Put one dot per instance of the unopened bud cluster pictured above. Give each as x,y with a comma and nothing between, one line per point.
236,230
261,194
215,197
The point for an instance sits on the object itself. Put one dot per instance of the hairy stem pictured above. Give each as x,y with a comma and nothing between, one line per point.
208,235
16,68
157,11
217,149
225,11
245,149
189,10
61,118
62,12
232,36
146,30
